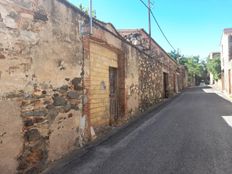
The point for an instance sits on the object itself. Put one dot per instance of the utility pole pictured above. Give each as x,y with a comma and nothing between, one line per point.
149,23
90,17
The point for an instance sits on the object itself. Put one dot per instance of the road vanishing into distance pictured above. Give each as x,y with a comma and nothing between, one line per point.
190,135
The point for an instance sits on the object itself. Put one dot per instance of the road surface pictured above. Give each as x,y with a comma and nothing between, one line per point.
191,135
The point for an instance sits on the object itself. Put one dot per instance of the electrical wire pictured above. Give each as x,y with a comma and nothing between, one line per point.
157,23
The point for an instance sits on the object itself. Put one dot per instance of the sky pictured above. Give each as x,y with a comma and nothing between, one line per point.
192,26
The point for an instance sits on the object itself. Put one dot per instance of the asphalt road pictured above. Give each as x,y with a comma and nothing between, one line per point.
188,136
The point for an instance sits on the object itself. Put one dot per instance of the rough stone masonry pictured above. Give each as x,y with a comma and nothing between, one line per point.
40,84
54,81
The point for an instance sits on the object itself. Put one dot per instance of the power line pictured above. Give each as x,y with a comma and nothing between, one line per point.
157,23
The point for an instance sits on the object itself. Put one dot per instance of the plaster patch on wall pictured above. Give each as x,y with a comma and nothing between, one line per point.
82,127
103,86
11,141
63,134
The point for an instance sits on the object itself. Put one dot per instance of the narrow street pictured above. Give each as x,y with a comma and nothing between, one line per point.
189,136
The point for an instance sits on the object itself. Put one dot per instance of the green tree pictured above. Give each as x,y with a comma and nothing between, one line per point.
175,55
86,10
196,68
214,67
193,66
183,60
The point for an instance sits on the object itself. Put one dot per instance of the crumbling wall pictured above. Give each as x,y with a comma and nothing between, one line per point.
131,79
51,76
158,57
144,84
151,82
183,77
172,78
49,117
11,139
38,38
41,62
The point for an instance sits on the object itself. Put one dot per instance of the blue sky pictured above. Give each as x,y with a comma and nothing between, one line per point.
193,26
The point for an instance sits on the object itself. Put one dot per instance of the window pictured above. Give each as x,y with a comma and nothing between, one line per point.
230,39
230,47
230,52
222,50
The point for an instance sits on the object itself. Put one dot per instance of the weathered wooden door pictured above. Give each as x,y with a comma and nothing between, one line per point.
113,94
165,84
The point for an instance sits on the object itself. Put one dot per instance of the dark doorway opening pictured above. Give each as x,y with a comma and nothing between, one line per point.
174,82
222,79
229,72
165,84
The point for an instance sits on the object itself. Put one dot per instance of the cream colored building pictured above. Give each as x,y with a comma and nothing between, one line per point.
226,60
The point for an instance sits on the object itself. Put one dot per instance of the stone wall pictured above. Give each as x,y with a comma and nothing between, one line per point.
143,81
36,40
11,139
140,39
51,122
41,58
150,82
57,81
131,80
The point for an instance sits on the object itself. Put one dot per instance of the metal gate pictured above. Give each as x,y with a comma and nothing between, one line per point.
113,94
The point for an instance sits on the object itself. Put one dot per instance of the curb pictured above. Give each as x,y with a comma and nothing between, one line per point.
222,94
136,120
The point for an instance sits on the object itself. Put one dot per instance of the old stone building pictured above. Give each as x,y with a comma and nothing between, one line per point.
59,86
226,60
175,73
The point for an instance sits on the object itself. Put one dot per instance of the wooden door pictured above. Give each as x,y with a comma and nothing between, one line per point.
113,79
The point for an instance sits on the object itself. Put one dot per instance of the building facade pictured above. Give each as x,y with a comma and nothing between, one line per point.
172,72
226,60
61,86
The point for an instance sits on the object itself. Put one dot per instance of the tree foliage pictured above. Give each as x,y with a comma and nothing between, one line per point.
175,54
193,64
86,10
196,69
214,67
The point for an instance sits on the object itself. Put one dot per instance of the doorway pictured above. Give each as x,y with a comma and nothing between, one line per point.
229,76
222,80
165,84
113,90
174,83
